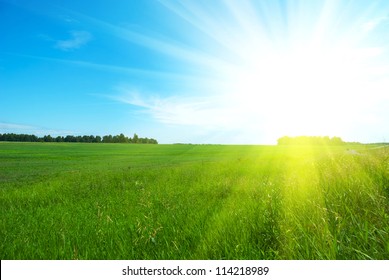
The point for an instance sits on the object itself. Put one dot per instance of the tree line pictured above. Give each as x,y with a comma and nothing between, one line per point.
121,138
310,140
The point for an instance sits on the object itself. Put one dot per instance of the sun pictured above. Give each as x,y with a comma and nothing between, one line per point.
309,90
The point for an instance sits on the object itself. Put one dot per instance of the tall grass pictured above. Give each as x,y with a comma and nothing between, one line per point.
74,201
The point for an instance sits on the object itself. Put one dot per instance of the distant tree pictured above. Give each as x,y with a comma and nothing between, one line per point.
11,137
310,140
47,138
336,141
107,139
86,139
135,139
285,140
121,138
70,138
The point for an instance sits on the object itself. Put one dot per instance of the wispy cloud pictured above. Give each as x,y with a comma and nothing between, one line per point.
77,39
68,19
10,126
6,127
131,71
210,112
202,119
160,43
374,23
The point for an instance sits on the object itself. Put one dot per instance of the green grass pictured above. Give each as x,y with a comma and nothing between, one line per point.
117,201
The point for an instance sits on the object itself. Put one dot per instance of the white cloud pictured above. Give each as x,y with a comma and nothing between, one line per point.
207,112
77,39
6,127
374,23
68,19
10,126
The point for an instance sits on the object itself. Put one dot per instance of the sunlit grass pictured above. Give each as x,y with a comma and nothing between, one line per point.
81,201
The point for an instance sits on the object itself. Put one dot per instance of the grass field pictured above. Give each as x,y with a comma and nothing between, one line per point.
123,201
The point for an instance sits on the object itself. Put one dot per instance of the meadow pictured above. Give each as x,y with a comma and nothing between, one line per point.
130,201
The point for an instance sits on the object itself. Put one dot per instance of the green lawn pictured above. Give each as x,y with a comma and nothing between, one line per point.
128,201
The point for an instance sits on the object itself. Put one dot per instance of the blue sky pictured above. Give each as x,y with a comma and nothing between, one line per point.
238,72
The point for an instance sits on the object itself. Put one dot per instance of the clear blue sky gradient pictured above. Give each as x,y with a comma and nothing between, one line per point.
237,72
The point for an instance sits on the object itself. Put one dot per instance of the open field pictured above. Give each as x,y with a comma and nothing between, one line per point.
127,201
